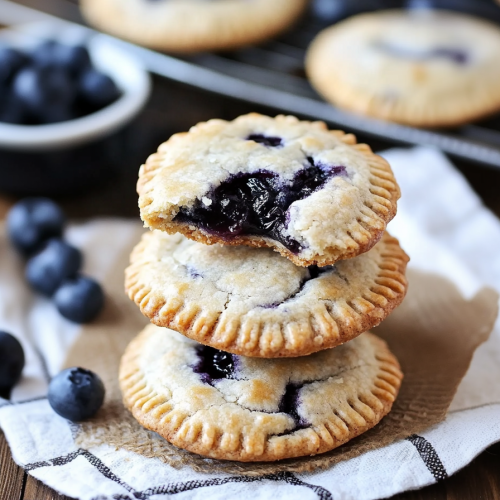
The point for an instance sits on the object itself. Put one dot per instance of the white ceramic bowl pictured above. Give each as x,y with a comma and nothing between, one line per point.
128,74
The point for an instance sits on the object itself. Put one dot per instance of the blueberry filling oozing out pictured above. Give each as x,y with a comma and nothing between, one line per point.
455,55
213,364
256,203
272,142
289,404
314,272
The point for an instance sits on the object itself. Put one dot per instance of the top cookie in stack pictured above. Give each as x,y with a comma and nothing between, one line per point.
213,196
312,194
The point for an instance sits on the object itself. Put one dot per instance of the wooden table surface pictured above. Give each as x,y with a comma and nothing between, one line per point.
174,108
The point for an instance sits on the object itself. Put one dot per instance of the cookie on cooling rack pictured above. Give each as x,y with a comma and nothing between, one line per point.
235,408
193,25
421,68
312,194
253,302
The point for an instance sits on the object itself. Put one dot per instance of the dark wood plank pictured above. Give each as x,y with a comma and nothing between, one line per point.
35,490
479,480
11,476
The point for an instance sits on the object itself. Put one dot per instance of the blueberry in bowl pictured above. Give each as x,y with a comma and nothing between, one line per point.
65,97
11,363
76,394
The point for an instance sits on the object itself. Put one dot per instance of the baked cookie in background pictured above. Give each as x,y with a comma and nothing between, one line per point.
312,194
192,25
253,302
234,408
421,68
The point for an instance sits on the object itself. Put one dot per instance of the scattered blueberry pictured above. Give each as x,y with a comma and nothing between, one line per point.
11,363
80,299
76,394
55,263
97,88
32,221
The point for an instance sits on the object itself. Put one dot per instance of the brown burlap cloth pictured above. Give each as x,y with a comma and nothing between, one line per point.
434,334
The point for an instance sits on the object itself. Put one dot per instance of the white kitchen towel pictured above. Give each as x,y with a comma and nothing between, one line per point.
445,228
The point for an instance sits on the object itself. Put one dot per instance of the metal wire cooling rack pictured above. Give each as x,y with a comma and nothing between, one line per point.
272,75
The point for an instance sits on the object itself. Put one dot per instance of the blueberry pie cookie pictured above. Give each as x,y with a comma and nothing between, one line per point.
312,194
193,25
253,302
234,408
422,68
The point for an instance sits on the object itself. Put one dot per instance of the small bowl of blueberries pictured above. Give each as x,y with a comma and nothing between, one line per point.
63,89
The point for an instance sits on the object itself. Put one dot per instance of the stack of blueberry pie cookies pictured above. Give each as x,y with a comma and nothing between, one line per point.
267,260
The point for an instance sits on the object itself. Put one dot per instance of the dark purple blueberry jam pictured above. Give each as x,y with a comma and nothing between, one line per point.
193,273
455,55
257,203
289,404
272,142
213,364
314,272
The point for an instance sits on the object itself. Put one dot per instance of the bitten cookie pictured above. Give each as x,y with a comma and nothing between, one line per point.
422,68
253,302
312,194
193,25
246,409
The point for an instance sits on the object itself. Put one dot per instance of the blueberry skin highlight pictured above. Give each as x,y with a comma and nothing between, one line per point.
32,221
97,89
56,262
10,61
11,363
79,299
76,394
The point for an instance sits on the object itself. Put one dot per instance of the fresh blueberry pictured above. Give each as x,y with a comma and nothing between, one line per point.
75,58
33,221
55,113
10,61
11,363
11,109
43,55
39,89
72,58
97,89
79,299
55,263
330,10
76,394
